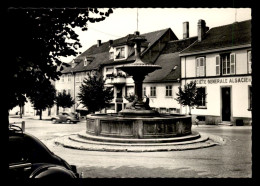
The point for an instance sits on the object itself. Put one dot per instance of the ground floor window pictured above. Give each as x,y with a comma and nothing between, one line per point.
153,92
144,91
129,90
168,91
202,97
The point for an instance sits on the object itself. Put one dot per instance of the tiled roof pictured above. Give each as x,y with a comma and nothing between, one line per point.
123,40
235,34
101,53
169,59
178,45
152,37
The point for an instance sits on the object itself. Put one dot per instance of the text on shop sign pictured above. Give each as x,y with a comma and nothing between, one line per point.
224,80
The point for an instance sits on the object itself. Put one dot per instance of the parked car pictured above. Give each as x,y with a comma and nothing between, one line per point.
68,117
30,158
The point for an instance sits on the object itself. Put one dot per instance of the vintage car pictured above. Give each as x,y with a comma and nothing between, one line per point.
66,117
30,158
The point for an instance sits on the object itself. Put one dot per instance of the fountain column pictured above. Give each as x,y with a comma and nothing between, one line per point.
138,80
138,70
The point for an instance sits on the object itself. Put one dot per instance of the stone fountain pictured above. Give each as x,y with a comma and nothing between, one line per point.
138,123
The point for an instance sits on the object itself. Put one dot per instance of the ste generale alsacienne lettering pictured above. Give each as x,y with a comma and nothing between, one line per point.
224,80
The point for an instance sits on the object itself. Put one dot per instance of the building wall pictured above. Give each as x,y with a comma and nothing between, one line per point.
188,65
66,85
161,100
238,83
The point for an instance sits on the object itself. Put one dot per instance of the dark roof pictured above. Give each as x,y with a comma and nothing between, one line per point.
168,59
124,40
167,62
101,53
235,34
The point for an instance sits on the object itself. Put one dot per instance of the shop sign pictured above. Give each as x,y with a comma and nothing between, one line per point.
224,80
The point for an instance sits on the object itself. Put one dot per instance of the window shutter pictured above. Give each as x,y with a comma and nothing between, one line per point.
217,65
197,67
202,66
249,62
232,63
117,53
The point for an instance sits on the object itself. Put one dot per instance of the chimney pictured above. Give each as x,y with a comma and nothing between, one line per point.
98,43
137,33
201,29
110,42
207,29
185,30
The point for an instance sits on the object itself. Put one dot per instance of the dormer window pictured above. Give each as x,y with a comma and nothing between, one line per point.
85,62
120,53
73,64
88,60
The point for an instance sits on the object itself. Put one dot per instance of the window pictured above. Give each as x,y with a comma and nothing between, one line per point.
217,65
85,62
201,96
109,70
169,90
250,98
120,52
162,110
62,78
144,91
228,63
69,91
69,77
249,62
120,73
129,90
200,66
172,110
77,78
111,55
82,76
153,91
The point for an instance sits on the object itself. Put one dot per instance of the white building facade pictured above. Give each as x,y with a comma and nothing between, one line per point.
222,72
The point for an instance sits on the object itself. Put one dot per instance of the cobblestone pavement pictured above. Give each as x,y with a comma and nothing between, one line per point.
232,160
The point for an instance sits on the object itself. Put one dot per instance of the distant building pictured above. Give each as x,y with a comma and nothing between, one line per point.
220,63
105,57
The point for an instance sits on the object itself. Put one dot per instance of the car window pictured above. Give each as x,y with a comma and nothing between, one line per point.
16,150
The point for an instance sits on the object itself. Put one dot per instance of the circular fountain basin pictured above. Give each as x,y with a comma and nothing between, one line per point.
138,127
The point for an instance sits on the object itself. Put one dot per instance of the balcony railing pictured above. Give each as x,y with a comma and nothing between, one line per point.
118,78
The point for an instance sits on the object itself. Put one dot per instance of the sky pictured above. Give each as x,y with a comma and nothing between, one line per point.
123,21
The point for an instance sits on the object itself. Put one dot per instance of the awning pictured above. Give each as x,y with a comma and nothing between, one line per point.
81,107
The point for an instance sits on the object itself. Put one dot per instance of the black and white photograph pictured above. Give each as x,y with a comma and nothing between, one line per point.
129,92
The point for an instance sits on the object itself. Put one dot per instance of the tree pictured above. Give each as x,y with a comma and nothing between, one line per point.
93,94
43,97
21,101
188,96
37,38
64,100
